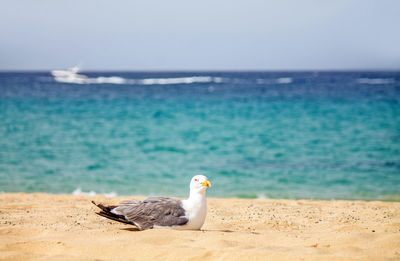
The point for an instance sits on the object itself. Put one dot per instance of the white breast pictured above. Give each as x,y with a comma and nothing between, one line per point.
196,211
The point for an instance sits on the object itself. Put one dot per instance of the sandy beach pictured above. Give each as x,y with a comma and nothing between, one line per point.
64,227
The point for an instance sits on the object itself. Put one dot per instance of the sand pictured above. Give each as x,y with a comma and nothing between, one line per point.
64,227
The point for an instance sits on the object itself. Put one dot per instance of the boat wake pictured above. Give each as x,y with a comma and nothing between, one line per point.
150,81
71,76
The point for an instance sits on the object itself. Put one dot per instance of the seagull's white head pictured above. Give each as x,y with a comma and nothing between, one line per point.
199,184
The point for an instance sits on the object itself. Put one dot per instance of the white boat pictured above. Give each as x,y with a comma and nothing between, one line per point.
69,76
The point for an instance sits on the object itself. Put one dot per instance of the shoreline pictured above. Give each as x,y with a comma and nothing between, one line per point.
79,192
65,227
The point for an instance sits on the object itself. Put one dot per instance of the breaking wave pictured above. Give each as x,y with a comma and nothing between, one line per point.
376,80
282,80
79,191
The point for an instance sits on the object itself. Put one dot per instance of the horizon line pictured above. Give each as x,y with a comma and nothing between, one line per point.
206,70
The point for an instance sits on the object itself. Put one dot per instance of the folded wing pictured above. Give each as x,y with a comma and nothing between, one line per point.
153,211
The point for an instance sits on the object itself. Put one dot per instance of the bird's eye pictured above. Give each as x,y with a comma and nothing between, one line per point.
196,180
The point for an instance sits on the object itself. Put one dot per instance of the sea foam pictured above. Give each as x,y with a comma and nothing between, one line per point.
284,80
376,80
79,191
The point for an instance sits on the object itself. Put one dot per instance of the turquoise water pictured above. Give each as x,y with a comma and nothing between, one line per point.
263,134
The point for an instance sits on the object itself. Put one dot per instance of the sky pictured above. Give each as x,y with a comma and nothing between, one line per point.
200,35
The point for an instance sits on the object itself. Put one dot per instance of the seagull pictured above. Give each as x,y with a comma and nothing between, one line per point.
163,212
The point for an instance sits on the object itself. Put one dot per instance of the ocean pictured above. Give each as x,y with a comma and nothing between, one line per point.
297,135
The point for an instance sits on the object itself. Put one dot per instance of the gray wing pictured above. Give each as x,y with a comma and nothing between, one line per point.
153,211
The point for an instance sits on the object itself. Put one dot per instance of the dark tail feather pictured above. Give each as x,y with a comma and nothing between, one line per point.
104,208
112,217
106,212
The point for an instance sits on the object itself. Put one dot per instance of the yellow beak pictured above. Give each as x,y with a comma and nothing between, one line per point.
206,183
